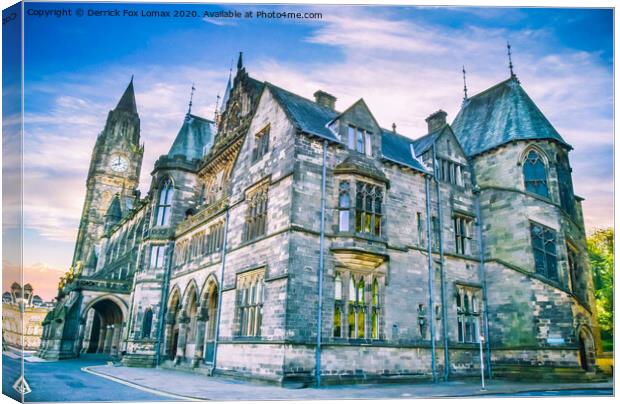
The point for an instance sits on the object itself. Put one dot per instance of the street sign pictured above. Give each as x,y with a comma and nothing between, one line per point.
21,385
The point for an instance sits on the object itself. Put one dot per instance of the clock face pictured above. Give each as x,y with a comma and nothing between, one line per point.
119,163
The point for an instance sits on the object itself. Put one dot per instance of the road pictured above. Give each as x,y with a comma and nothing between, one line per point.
558,393
65,381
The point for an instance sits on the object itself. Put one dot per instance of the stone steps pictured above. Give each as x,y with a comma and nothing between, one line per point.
547,374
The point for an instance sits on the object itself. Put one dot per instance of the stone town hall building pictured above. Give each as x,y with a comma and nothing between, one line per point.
412,249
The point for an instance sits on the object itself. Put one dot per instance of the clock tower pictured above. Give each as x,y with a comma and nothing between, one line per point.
114,170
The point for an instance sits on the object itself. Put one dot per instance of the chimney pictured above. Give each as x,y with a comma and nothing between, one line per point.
436,120
325,99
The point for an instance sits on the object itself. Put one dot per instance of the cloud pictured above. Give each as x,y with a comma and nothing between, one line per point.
405,69
42,277
220,22
60,138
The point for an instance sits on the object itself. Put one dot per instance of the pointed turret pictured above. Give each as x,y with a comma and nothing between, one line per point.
128,100
114,212
240,61
498,115
194,135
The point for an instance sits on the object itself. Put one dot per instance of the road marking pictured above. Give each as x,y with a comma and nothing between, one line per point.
142,388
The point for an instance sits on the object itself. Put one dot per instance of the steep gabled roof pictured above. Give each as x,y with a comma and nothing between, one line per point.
397,149
306,115
194,135
128,100
422,144
498,115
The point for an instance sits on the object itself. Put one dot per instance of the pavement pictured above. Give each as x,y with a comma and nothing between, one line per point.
90,378
199,387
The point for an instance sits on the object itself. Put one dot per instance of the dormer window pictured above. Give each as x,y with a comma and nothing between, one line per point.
359,140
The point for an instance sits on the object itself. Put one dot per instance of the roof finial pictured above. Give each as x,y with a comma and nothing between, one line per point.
240,61
510,66
217,106
394,127
464,84
131,81
191,99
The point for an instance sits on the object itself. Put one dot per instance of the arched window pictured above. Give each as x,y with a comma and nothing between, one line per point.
147,323
344,206
535,174
165,203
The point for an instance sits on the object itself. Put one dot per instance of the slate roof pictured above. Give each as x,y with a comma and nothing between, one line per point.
128,100
313,118
306,115
422,144
498,115
397,149
194,135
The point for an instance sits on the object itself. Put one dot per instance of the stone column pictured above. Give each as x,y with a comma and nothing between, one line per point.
168,335
88,330
102,334
201,323
182,342
116,336
107,346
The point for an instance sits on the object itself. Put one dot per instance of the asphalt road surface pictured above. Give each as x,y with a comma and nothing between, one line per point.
64,381
558,393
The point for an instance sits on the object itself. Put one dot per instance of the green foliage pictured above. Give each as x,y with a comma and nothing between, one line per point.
601,254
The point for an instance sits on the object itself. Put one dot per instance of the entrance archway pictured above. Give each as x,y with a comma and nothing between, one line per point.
586,349
104,326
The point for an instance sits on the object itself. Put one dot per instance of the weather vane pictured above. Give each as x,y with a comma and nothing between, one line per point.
464,83
191,99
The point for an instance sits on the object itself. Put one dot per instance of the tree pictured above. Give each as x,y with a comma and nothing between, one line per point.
601,254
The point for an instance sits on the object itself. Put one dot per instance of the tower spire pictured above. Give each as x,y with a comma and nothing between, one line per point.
510,66
464,84
128,100
191,99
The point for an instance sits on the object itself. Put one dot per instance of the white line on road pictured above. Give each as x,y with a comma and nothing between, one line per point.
139,387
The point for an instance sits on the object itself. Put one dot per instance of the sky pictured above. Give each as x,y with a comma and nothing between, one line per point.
405,62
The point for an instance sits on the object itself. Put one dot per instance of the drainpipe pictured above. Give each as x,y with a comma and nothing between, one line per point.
163,306
483,279
444,308
321,268
219,296
431,275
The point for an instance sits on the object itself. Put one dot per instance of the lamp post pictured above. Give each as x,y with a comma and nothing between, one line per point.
483,388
